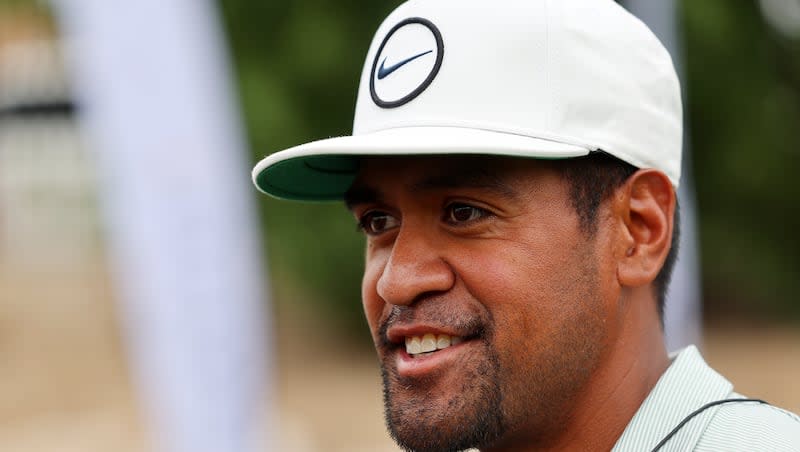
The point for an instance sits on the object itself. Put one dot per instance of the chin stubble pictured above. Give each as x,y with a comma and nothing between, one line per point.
472,418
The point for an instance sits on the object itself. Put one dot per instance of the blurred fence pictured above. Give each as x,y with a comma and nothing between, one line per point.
47,205
64,383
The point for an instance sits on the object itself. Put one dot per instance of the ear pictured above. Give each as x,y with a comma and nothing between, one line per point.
646,204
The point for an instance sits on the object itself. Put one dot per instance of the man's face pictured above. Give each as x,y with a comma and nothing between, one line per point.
482,260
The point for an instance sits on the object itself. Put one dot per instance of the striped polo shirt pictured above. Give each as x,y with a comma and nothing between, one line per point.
688,385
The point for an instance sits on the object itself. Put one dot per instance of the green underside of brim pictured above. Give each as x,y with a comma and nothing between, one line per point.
318,178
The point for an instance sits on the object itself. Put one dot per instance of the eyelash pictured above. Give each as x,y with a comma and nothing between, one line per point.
451,208
364,223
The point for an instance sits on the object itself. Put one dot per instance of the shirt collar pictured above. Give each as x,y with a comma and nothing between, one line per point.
688,384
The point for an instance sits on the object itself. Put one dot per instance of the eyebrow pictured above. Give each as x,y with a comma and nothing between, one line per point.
466,178
475,178
361,194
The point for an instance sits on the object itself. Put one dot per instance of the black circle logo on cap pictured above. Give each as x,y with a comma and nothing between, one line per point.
406,63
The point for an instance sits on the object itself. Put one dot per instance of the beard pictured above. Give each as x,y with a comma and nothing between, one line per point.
520,396
472,419
490,404
487,408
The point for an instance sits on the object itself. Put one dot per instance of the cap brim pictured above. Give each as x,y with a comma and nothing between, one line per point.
323,170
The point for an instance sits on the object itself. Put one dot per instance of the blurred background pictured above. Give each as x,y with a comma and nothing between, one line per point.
66,378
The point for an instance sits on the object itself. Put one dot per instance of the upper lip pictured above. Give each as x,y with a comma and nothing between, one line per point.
397,334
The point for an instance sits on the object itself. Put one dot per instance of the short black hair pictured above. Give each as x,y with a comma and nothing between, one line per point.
593,179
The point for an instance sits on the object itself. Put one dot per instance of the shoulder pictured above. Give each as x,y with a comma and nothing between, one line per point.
751,427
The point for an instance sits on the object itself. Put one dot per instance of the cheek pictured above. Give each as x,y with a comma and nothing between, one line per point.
527,286
511,275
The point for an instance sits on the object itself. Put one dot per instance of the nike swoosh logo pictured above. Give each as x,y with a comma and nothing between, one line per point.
384,72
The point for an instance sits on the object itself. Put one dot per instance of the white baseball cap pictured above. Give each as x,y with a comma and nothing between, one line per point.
547,79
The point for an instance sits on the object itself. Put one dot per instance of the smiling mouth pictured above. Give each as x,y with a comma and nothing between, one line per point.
428,344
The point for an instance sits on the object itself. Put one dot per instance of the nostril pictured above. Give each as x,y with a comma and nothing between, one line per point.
406,286
414,268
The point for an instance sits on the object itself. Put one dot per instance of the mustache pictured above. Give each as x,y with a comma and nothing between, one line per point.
467,324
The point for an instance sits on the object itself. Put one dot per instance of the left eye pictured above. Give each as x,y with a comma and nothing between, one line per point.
463,213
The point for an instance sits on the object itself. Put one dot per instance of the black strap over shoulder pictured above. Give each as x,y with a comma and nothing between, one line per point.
695,413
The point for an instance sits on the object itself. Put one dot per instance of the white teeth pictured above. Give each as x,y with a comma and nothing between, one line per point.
413,345
429,342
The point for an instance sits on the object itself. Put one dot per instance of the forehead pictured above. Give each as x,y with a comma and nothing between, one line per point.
506,176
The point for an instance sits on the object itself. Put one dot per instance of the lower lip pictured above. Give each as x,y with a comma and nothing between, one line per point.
408,366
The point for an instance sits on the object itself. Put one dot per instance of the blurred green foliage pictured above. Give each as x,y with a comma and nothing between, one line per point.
744,119
298,65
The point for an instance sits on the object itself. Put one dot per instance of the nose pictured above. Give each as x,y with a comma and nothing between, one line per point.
415,268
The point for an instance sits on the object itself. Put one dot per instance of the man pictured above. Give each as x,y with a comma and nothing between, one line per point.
513,166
